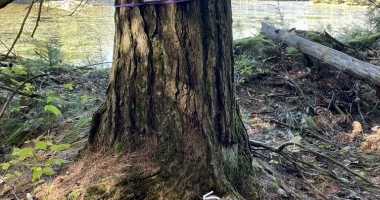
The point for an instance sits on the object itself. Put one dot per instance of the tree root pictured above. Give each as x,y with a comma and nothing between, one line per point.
315,190
284,145
303,130
141,176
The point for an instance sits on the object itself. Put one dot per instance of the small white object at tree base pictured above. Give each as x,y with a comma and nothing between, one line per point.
208,196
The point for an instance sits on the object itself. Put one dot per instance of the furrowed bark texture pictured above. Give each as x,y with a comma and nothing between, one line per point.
171,86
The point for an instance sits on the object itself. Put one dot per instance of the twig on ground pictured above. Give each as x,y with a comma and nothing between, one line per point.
18,92
358,102
337,41
302,130
88,66
14,193
362,116
338,109
331,101
262,112
284,145
318,168
377,101
315,190
248,92
284,124
293,83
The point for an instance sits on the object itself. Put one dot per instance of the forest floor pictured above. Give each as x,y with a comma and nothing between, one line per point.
286,96
283,97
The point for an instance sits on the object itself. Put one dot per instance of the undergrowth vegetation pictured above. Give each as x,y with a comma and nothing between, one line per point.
47,105
313,120
41,98
32,159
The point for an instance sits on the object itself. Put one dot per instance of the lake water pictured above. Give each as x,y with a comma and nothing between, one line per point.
84,38
302,15
87,36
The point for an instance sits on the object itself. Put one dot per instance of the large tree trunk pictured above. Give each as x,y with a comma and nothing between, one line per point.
171,92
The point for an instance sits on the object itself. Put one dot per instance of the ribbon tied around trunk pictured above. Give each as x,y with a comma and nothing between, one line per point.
151,2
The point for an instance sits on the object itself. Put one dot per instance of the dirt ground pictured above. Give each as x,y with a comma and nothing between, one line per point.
284,96
288,98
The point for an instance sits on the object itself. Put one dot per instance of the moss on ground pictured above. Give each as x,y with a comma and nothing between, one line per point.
366,40
74,195
97,192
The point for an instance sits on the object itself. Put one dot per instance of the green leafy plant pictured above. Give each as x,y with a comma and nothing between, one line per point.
310,123
84,98
14,70
246,66
292,50
72,135
50,51
68,86
53,109
30,157
50,98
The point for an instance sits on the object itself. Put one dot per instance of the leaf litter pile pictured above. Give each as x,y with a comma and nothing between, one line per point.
312,127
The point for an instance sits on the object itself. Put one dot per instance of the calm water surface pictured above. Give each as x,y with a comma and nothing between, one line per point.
84,38
87,36
302,15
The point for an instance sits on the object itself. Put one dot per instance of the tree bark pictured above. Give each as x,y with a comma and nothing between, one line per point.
171,94
368,73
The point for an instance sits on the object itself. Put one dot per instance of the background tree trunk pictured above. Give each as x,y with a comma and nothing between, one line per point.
171,98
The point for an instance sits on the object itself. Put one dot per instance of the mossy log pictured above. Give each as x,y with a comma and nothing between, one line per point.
368,73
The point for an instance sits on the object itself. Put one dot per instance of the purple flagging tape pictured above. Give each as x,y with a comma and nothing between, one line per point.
153,2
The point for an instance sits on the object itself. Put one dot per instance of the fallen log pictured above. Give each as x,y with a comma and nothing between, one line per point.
366,72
